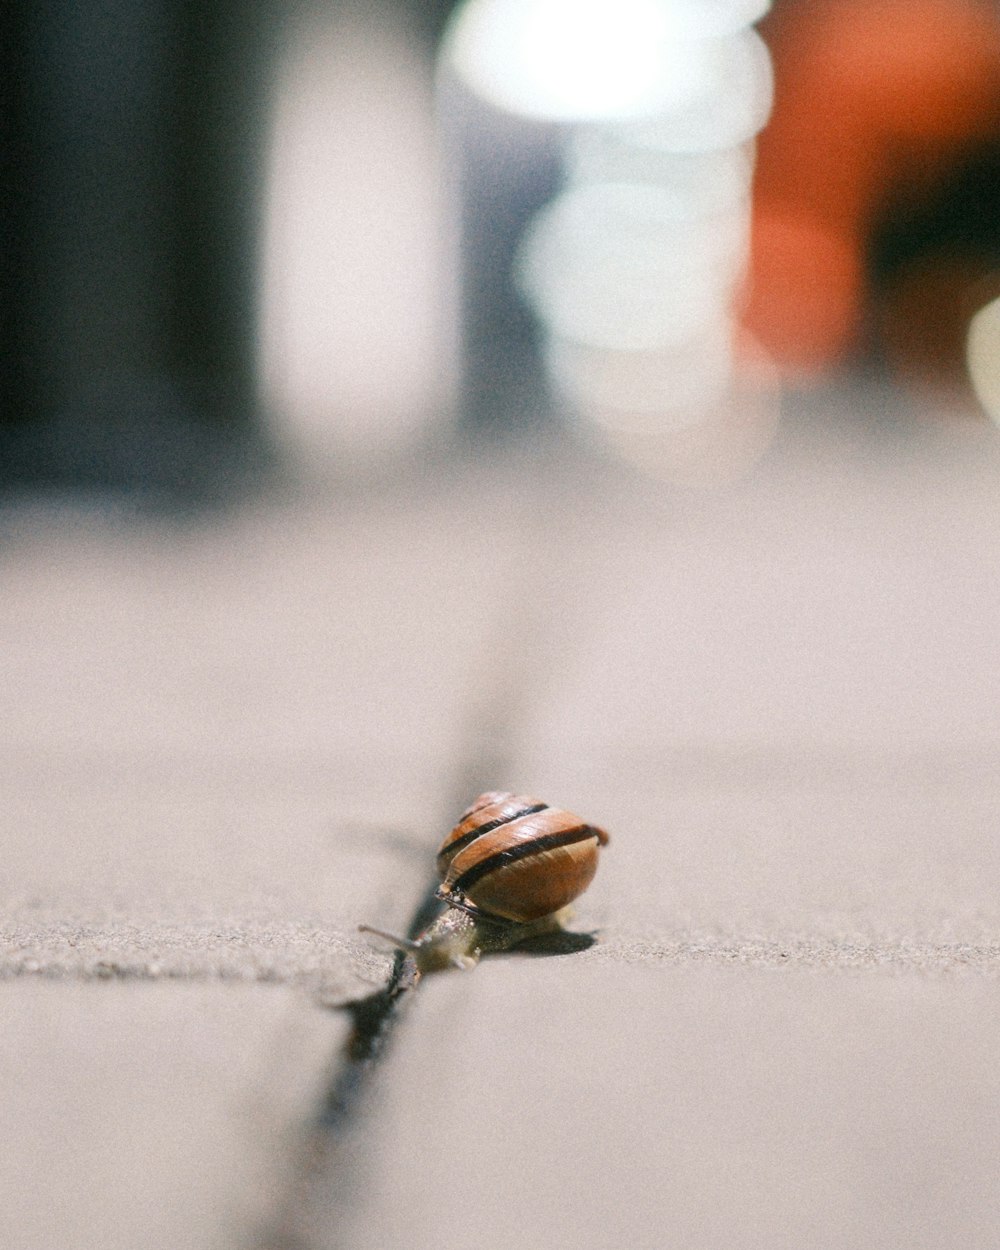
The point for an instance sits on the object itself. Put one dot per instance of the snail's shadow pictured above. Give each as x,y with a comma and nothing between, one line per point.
559,942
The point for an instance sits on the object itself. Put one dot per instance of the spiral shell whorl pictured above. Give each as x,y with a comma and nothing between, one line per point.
515,858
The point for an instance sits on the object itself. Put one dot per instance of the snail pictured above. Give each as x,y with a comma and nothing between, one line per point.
509,869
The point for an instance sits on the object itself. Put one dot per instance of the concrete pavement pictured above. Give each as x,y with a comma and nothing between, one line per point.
224,744
230,744
784,704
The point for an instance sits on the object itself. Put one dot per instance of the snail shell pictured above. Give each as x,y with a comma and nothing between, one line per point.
514,858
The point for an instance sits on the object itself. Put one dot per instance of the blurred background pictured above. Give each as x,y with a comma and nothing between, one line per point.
333,236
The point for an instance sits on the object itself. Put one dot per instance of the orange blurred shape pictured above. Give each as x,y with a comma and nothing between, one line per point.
806,290
919,70
871,97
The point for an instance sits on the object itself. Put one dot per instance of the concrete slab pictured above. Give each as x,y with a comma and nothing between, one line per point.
153,1115
222,740
558,1104
783,702
783,699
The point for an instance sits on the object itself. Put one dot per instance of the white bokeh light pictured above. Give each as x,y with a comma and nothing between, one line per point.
667,387
626,266
705,182
575,59
635,267
353,360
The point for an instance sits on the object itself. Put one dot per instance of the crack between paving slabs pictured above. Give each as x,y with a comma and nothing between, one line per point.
374,1019
498,705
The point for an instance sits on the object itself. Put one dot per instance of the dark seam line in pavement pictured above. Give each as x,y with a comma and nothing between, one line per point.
374,1017
488,734
372,1021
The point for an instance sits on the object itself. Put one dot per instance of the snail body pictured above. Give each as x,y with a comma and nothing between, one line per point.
510,867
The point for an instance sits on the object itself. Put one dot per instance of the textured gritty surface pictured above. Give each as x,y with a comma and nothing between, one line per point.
224,745
783,702
561,1104
228,744
153,1115
223,742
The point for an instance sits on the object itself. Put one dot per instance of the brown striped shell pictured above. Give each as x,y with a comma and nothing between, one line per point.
516,858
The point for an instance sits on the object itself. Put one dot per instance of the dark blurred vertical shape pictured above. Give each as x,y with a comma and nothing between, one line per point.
428,18
131,158
500,170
